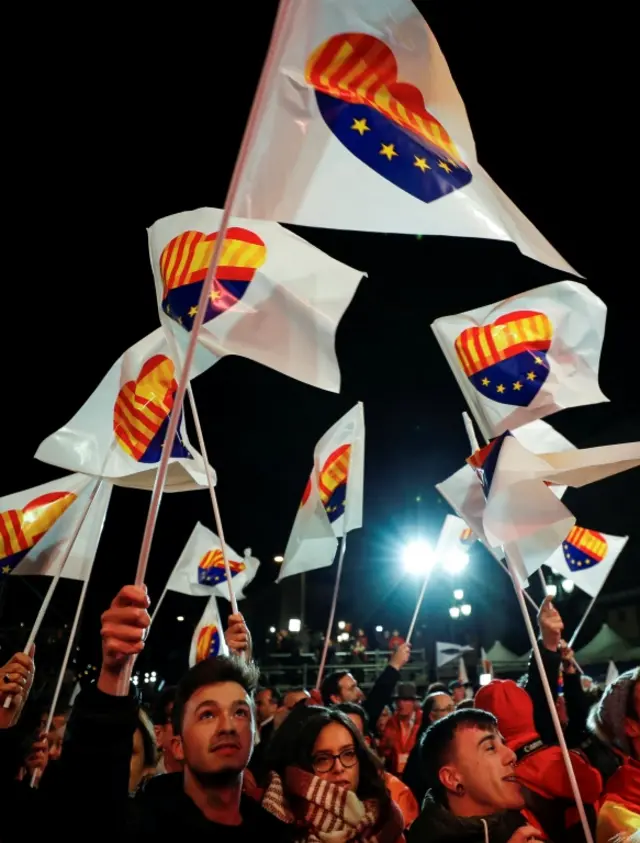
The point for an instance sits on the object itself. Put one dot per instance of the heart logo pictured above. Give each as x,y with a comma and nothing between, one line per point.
583,549
208,643
506,361
211,568
22,529
141,412
183,267
332,483
382,120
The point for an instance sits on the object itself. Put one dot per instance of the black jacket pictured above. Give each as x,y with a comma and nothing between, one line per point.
437,825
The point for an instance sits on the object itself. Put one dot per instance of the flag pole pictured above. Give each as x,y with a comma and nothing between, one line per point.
418,606
161,474
332,611
587,610
55,579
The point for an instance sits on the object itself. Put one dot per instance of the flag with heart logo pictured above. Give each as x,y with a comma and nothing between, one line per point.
586,557
37,524
120,431
200,569
528,356
463,490
332,501
362,128
208,637
275,299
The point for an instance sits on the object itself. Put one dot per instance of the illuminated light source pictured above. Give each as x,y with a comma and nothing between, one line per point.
378,628
272,629
458,594
341,624
568,586
278,559
466,609
294,625
454,611
551,589
484,679
418,557
180,618
455,561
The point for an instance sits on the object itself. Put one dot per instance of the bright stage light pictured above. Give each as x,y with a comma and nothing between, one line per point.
418,557
455,561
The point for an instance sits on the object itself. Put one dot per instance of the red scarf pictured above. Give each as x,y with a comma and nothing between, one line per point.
327,813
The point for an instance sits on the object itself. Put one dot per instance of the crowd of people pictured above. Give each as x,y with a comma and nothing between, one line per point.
220,758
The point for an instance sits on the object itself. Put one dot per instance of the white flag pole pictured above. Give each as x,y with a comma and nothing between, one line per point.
332,611
55,579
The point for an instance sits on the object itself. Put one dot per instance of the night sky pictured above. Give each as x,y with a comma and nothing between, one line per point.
141,123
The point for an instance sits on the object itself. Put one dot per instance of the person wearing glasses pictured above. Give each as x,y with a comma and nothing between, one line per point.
325,780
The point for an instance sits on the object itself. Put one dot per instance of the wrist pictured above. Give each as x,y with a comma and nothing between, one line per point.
109,680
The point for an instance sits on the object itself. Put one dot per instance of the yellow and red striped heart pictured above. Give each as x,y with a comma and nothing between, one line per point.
22,529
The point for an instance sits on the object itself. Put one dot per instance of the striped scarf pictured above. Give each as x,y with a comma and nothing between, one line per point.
328,813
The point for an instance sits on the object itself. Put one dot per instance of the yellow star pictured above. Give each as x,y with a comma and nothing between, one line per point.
421,163
517,386
538,360
6,569
193,311
485,381
531,376
444,166
215,295
360,126
500,388
388,149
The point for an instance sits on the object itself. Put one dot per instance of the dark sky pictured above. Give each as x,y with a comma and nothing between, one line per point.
135,124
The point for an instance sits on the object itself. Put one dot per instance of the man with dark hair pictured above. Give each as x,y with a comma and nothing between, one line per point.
268,701
474,795
163,729
214,730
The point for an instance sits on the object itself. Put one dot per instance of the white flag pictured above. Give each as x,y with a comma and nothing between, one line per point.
587,557
200,569
446,652
363,128
208,637
37,524
527,356
275,299
612,673
332,501
120,431
453,542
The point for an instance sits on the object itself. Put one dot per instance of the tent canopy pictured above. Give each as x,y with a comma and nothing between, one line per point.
499,654
606,645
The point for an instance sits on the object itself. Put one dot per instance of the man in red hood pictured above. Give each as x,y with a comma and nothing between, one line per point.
540,768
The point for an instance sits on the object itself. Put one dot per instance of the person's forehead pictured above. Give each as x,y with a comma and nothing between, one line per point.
442,699
222,693
293,697
470,734
347,681
334,735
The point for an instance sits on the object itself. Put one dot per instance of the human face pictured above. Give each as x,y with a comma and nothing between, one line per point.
458,694
485,767
333,740
442,705
137,765
164,732
218,730
383,719
349,689
265,706
405,708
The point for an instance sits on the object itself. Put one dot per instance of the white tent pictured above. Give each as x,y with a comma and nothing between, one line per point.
501,657
606,646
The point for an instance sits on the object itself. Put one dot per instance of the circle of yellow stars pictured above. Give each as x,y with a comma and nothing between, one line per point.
389,149
516,385
214,295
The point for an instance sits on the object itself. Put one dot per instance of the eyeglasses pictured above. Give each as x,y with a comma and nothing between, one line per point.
326,762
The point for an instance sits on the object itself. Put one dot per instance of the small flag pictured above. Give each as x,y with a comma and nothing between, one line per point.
527,356
120,431
37,524
612,673
446,652
275,299
200,568
208,637
332,501
586,557
363,128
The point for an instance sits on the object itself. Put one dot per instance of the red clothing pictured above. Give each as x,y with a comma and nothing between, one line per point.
395,642
620,812
397,741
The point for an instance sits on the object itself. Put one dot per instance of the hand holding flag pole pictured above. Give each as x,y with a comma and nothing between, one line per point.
541,669
161,476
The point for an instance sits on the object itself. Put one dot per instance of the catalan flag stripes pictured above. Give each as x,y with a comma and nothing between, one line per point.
480,347
593,544
335,472
20,531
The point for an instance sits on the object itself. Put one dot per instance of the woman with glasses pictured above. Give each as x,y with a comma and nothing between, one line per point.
325,781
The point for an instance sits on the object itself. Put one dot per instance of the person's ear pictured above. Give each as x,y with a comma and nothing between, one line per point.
450,779
157,731
177,747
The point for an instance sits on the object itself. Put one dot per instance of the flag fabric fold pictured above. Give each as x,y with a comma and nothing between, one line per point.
120,431
446,652
528,356
36,526
332,501
208,637
363,128
199,570
276,299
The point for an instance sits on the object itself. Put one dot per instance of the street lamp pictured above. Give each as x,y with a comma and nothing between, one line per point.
278,559
272,630
379,628
180,618
454,611
418,557
455,561
294,625
458,594
466,609
341,624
